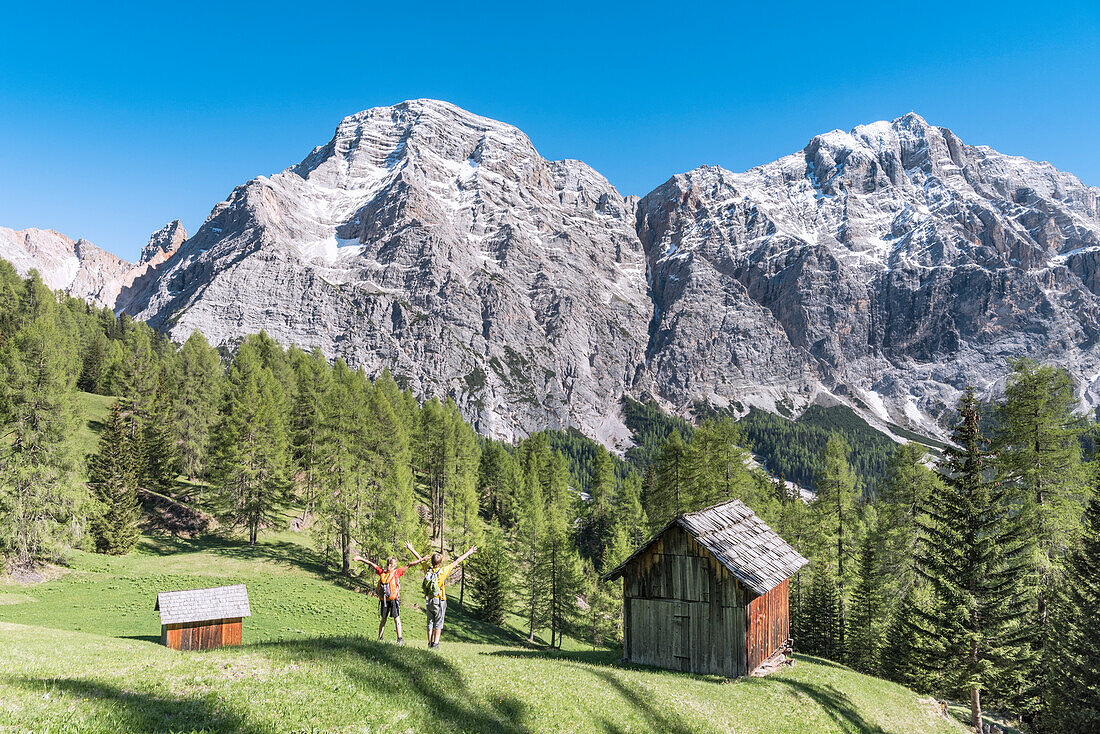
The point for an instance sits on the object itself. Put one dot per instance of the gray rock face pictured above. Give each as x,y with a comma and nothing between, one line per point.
75,266
436,243
163,243
886,268
80,268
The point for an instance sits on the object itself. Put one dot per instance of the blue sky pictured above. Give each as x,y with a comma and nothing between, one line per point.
115,121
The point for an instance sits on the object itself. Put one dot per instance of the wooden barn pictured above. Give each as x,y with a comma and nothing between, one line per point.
708,593
201,619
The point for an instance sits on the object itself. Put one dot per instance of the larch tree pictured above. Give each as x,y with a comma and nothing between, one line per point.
198,393
251,451
834,519
113,522
40,499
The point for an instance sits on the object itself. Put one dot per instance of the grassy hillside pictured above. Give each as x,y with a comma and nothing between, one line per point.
80,653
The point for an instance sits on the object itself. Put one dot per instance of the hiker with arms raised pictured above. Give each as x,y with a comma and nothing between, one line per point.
389,593
435,591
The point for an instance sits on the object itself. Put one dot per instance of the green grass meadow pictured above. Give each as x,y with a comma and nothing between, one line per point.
81,653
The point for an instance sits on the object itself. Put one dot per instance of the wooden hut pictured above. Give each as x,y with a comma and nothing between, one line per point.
201,619
708,593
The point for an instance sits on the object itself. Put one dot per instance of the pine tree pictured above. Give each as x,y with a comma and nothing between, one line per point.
111,477
599,512
1072,690
498,482
866,610
250,443
905,642
530,542
833,514
562,561
389,518
159,464
491,577
904,495
39,496
1038,453
343,450
196,407
672,491
975,553
822,621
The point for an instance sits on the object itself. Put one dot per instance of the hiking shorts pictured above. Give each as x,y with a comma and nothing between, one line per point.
391,608
437,610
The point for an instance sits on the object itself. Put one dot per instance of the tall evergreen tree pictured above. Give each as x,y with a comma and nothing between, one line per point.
672,490
821,634
313,378
976,554
198,393
250,443
111,477
833,512
865,616
530,540
157,445
1072,690
491,577
40,500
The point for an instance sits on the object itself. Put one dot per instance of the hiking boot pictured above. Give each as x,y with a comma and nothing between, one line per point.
400,640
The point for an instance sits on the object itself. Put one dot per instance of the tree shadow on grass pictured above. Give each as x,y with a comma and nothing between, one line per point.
834,703
589,657
278,551
129,710
379,670
642,703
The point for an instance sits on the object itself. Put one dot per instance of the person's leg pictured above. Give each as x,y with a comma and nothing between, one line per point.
384,608
439,622
395,612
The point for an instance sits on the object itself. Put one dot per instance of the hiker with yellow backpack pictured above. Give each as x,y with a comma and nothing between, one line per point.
389,593
435,590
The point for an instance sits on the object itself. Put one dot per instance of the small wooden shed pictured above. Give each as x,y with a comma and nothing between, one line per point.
708,593
201,619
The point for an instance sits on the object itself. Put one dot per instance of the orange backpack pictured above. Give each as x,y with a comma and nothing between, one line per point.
389,586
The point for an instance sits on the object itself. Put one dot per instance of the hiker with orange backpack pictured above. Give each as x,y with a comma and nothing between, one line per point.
435,592
389,593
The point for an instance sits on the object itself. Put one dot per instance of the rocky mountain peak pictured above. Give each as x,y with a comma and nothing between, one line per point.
163,243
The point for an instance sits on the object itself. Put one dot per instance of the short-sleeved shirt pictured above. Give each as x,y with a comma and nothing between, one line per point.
444,572
394,580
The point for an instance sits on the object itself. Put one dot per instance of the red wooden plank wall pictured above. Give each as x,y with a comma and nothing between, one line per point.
768,624
202,635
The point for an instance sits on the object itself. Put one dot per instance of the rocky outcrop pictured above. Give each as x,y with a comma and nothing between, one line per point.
886,268
440,245
80,268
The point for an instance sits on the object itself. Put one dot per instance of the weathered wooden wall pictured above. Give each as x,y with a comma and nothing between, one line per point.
683,610
769,624
201,635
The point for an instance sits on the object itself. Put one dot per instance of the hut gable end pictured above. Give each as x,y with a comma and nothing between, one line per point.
737,539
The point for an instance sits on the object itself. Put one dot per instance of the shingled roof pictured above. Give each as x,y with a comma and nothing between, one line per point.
751,551
203,605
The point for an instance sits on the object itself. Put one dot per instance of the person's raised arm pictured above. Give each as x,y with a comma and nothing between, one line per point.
370,563
419,558
464,556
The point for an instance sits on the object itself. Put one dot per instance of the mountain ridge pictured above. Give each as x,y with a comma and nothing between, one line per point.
881,268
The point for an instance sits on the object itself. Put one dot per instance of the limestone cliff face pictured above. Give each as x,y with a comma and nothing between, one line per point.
887,267
436,243
80,268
